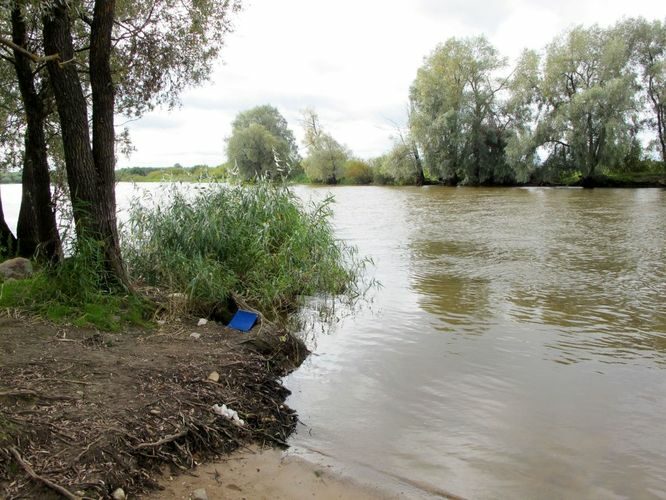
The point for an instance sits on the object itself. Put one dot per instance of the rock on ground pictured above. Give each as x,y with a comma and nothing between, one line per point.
18,269
199,494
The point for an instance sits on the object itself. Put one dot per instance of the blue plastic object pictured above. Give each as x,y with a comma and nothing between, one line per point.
243,320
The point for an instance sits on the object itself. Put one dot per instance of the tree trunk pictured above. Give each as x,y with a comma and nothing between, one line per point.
37,229
103,137
660,111
26,227
94,212
7,239
420,178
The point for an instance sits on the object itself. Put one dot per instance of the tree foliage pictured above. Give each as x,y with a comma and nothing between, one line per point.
647,43
261,144
588,101
326,158
582,106
456,117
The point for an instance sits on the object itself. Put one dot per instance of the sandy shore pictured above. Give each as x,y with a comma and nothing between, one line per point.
267,474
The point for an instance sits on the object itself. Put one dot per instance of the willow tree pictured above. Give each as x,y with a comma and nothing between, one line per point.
326,157
109,56
589,110
403,162
456,111
647,41
523,109
261,143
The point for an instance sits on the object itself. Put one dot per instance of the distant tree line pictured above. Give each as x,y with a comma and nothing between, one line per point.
592,103
197,173
581,107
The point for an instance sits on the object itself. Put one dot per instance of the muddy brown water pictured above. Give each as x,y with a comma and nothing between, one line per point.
517,347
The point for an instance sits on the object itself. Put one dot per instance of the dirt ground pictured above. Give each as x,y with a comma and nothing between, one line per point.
83,413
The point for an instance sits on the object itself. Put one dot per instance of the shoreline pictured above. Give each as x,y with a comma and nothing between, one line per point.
89,412
264,474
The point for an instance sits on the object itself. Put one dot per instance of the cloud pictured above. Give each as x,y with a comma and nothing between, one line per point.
480,15
352,61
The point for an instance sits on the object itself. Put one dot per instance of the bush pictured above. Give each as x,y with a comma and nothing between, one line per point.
357,172
258,242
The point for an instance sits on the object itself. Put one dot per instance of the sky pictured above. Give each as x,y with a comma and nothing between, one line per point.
353,61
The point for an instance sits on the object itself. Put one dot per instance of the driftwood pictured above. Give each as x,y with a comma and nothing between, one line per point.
47,482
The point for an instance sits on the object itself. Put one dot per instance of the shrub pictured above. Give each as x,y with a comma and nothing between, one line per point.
357,172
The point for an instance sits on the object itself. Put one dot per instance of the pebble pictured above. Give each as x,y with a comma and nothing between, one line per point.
214,376
195,336
202,322
199,494
119,494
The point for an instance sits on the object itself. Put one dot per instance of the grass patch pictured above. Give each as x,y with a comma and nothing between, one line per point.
73,292
258,242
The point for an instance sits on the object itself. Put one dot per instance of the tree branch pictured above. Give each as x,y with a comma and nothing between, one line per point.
33,57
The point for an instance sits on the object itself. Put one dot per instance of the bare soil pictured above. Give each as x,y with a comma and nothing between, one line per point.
83,412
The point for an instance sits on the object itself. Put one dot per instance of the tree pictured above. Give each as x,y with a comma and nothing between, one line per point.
455,111
261,143
647,41
326,157
399,164
9,133
37,230
403,163
522,111
588,102
150,51
26,103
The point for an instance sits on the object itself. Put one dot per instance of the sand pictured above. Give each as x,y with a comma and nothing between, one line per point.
267,474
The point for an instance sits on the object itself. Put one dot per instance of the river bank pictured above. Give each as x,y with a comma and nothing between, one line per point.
265,474
85,413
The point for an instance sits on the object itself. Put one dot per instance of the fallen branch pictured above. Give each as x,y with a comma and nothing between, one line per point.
50,484
165,440
28,392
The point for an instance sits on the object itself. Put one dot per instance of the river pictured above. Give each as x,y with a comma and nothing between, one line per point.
516,348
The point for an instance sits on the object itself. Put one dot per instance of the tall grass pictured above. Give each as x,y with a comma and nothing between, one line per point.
258,242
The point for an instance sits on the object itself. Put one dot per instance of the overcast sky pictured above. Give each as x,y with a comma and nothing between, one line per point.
351,60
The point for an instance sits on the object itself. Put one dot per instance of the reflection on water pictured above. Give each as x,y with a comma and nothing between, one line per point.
516,349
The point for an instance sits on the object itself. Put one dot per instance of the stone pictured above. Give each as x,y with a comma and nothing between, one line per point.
199,494
119,494
17,269
202,322
214,377
195,336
